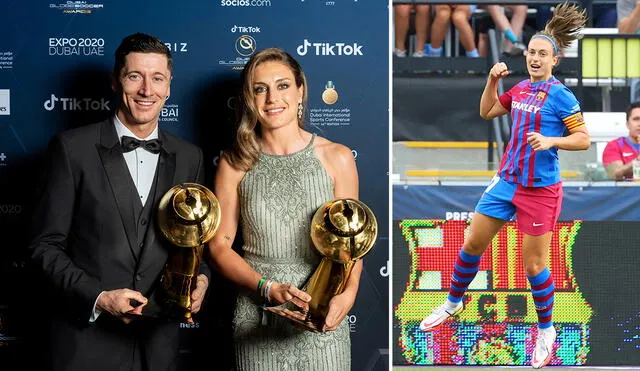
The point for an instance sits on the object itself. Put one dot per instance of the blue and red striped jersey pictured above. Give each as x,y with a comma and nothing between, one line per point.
545,107
621,149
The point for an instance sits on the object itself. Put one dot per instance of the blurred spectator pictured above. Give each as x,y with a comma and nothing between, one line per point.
629,22
604,15
628,16
543,15
619,154
459,16
512,29
401,15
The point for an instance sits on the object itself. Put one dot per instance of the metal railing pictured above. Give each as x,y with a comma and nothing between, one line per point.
501,124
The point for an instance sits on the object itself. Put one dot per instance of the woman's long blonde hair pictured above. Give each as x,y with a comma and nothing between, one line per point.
246,149
564,26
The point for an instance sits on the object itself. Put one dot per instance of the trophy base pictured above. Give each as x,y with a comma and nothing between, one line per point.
301,319
161,308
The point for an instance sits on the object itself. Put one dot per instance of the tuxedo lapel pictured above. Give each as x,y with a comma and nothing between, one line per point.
166,169
119,180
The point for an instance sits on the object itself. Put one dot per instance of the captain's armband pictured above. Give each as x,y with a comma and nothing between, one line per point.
574,121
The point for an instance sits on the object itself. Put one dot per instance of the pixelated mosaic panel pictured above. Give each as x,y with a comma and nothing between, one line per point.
498,325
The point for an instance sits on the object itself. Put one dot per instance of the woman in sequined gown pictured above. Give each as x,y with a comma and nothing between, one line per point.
272,181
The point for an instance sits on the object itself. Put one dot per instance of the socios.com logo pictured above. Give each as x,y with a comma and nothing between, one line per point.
256,3
324,48
76,104
245,45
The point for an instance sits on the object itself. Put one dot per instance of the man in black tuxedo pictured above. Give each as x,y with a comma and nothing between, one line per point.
95,235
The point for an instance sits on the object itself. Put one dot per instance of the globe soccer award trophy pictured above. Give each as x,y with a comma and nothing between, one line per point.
343,231
188,216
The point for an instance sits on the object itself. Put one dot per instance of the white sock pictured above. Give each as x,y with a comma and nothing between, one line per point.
450,305
547,330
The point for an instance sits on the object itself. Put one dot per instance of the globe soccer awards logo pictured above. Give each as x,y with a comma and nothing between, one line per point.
245,45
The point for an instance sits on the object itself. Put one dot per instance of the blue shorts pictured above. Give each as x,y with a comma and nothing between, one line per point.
497,199
536,208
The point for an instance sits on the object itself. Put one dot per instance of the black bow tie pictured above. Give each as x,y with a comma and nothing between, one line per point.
129,144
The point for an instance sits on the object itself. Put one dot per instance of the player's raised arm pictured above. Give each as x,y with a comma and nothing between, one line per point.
490,105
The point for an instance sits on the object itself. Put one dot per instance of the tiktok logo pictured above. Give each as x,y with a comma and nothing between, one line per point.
77,104
50,104
329,48
384,271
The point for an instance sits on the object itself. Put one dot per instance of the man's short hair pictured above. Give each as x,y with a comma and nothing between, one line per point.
139,43
631,107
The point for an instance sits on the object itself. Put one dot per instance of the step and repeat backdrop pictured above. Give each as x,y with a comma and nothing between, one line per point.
593,261
55,63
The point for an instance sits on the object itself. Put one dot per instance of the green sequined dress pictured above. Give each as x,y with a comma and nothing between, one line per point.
278,197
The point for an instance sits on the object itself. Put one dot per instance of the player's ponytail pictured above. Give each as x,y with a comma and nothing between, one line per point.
564,27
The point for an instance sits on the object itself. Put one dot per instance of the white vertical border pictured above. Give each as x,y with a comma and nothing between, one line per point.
390,183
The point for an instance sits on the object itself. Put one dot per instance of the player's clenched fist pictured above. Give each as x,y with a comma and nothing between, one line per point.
499,70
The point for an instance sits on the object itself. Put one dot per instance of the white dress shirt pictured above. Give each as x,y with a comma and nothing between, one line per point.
141,163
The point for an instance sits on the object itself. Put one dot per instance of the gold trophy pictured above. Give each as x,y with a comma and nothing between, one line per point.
343,231
188,216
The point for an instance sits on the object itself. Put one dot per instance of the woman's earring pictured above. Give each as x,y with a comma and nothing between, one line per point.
300,108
